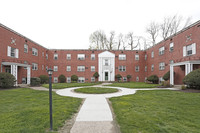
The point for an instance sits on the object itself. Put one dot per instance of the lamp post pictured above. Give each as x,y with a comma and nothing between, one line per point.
50,72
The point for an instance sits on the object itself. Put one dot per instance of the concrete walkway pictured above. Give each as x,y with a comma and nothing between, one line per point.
95,115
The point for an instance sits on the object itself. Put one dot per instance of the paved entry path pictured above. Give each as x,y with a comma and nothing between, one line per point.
95,115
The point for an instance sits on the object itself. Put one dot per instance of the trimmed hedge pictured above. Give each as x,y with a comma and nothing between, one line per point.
7,80
129,77
62,78
74,78
153,78
118,76
192,80
35,81
166,76
44,79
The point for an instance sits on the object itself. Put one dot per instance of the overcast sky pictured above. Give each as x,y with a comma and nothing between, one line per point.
67,24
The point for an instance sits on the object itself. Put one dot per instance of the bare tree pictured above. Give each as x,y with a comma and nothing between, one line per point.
98,40
119,41
153,30
111,41
130,40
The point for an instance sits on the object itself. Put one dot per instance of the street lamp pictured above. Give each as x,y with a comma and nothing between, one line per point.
50,72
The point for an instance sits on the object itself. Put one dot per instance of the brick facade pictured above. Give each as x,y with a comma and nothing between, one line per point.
14,40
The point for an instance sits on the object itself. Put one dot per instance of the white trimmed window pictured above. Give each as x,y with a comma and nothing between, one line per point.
92,56
42,54
106,63
55,79
12,52
46,68
152,54
80,68
34,51
145,57
137,57
137,68
137,79
55,56
122,57
55,68
122,68
68,79
92,79
25,48
161,66
46,56
145,79
171,47
161,79
92,68
42,67
161,50
124,79
81,56
68,56
152,67
145,68
189,50
34,66
68,68
81,79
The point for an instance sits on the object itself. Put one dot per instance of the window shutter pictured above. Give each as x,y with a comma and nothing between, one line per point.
16,53
194,48
9,51
184,51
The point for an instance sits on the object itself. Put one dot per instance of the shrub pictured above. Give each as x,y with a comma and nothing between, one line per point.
35,81
118,77
128,77
166,76
62,78
192,80
96,75
74,78
7,80
183,87
153,78
44,79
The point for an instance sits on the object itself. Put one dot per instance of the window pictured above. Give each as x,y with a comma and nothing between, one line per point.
46,56
42,54
12,52
145,68
137,79
25,48
55,68
106,62
92,79
92,56
122,68
152,67
161,79
136,57
122,57
42,67
189,50
145,79
68,56
171,47
46,68
55,56
81,79
161,50
161,66
92,68
171,61
145,57
81,57
152,54
124,79
68,79
55,79
80,68
68,68
34,66
137,68
34,51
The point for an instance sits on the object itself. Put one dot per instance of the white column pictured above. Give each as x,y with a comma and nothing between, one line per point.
14,72
186,69
28,75
191,67
172,75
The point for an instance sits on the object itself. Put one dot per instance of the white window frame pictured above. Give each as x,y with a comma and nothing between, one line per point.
189,50
68,68
145,68
122,56
152,67
12,52
145,57
161,79
137,68
161,50
80,68
92,68
34,51
55,68
34,66
161,66
68,56
55,56
92,79
125,79
81,56
137,79
122,68
171,47
68,79
152,54
25,48
137,57
92,56
55,79
46,56
81,79
106,62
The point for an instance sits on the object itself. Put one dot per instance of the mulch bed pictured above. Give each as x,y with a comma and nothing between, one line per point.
190,91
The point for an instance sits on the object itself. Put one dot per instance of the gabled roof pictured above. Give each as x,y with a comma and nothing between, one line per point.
106,54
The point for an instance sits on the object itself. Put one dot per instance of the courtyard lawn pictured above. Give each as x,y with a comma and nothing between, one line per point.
96,90
158,112
27,111
134,85
68,85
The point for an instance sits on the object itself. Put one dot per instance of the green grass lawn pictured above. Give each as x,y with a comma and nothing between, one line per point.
96,90
158,112
134,85
27,111
68,85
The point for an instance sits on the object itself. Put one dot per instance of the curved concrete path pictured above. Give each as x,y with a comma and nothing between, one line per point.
95,115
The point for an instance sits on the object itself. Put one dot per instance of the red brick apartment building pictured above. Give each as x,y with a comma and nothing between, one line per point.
24,58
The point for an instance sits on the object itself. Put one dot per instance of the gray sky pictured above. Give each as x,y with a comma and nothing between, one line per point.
67,24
